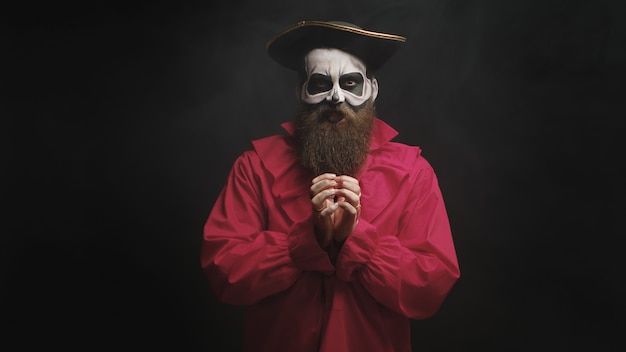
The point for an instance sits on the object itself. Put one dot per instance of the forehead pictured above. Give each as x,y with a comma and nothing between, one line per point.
328,60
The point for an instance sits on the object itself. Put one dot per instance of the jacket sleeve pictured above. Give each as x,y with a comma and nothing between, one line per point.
243,261
410,272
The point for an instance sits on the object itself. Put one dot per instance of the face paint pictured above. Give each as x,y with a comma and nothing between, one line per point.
336,76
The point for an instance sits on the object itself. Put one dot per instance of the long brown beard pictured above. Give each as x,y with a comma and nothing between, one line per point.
341,147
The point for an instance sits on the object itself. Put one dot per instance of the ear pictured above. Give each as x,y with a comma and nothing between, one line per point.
374,89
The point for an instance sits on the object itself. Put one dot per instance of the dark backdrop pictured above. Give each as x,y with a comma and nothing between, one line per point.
121,121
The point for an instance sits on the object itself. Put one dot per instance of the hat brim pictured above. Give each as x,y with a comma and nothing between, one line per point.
289,47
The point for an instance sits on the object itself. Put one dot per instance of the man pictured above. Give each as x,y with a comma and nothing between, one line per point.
332,235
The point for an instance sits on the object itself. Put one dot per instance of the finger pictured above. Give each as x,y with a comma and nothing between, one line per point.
346,178
350,208
322,199
321,185
348,196
326,176
326,211
349,183
349,189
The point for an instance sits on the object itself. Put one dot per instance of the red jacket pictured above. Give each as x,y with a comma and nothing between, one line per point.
259,250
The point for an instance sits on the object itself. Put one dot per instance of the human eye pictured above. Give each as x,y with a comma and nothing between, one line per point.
352,82
319,83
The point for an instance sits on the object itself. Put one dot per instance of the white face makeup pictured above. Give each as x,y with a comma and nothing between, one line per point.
336,76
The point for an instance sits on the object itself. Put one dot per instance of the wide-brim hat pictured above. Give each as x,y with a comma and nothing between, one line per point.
289,47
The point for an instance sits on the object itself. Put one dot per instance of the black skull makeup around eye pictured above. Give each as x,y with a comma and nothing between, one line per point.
352,82
319,83
337,77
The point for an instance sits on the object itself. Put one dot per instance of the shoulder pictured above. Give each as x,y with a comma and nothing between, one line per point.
403,155
266,145
275,154
264,150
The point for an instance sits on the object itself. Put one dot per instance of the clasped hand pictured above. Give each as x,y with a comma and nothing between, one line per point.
336,202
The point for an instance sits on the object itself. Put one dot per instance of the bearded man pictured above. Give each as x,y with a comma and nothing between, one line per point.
333,236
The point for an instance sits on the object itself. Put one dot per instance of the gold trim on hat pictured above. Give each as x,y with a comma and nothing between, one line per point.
338,27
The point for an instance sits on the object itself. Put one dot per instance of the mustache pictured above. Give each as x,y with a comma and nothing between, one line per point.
327,111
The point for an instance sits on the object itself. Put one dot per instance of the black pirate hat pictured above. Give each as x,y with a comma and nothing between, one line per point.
290,45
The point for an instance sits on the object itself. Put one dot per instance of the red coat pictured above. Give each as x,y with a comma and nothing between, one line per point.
259,250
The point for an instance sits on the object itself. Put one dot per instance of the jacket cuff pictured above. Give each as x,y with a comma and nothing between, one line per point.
357,250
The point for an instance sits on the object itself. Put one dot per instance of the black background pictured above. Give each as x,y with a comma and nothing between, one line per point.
124,119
